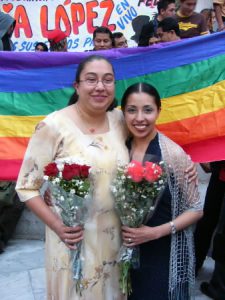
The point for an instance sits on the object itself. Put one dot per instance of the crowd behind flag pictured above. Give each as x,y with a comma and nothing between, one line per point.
189,74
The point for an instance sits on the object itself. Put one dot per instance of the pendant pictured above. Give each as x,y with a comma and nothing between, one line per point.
92,130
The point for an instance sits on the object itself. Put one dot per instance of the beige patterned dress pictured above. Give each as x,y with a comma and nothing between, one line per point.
59,137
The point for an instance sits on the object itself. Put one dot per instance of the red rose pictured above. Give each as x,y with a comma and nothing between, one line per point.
152,171
84,171
135,170
70,171
51,169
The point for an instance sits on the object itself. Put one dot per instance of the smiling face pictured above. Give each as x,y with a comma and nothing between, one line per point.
96,86
102,41
141,113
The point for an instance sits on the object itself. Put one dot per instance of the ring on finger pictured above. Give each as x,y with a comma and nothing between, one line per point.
129,240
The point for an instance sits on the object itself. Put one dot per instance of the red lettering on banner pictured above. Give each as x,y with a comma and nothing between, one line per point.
91,15
61,16
67,2
44,21
78,16
22,22
109,4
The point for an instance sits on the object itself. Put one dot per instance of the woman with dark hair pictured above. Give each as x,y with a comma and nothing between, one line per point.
42,47
210,18
85,131
166,240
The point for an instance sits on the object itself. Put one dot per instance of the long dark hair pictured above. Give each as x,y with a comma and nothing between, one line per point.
74,98
141,87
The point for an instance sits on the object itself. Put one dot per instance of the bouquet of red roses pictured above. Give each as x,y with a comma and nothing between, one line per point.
69,183
136,189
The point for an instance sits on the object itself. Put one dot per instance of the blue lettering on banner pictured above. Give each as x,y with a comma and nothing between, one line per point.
88,42
129,15
71,44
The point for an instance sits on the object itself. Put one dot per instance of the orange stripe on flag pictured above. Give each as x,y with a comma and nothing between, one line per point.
13,147
199,128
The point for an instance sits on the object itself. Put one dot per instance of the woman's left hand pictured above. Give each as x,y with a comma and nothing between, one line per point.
137,236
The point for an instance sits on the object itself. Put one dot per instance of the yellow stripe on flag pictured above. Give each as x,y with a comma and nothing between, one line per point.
193,104
18,126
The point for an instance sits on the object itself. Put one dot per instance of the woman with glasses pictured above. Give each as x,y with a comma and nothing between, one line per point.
90,131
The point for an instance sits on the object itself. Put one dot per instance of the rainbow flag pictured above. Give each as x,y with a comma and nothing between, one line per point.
190,77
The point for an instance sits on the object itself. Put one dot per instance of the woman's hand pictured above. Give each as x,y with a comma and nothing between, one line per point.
191,173
69,235
47,197
137,236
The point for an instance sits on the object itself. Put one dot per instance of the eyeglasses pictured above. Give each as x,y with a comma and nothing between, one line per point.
94,81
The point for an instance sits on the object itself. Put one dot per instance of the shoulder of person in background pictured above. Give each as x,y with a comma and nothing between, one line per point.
7,192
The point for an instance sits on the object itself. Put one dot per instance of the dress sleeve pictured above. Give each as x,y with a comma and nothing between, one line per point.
41,150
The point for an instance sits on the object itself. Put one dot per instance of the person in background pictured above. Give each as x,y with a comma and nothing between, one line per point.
58,41
7,25
10,206
10,212
166,8
153,40
215,288
219,6
210,18
166,241
168,30
191,24
206,227
119,40
42,47
102,39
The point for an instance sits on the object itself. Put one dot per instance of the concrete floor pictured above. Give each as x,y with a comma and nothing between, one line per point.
22,275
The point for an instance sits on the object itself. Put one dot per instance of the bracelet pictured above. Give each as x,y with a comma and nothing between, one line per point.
173,227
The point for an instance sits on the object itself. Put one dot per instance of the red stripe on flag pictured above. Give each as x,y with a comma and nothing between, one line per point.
10,169
203,151
207,151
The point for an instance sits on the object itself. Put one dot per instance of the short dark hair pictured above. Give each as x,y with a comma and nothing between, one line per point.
103,29
45,47
116,35
74,97
168,24
163,4
141,87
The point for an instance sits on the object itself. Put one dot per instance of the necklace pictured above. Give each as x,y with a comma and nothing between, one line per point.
86,124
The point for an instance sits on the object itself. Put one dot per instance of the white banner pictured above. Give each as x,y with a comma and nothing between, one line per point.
35,18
